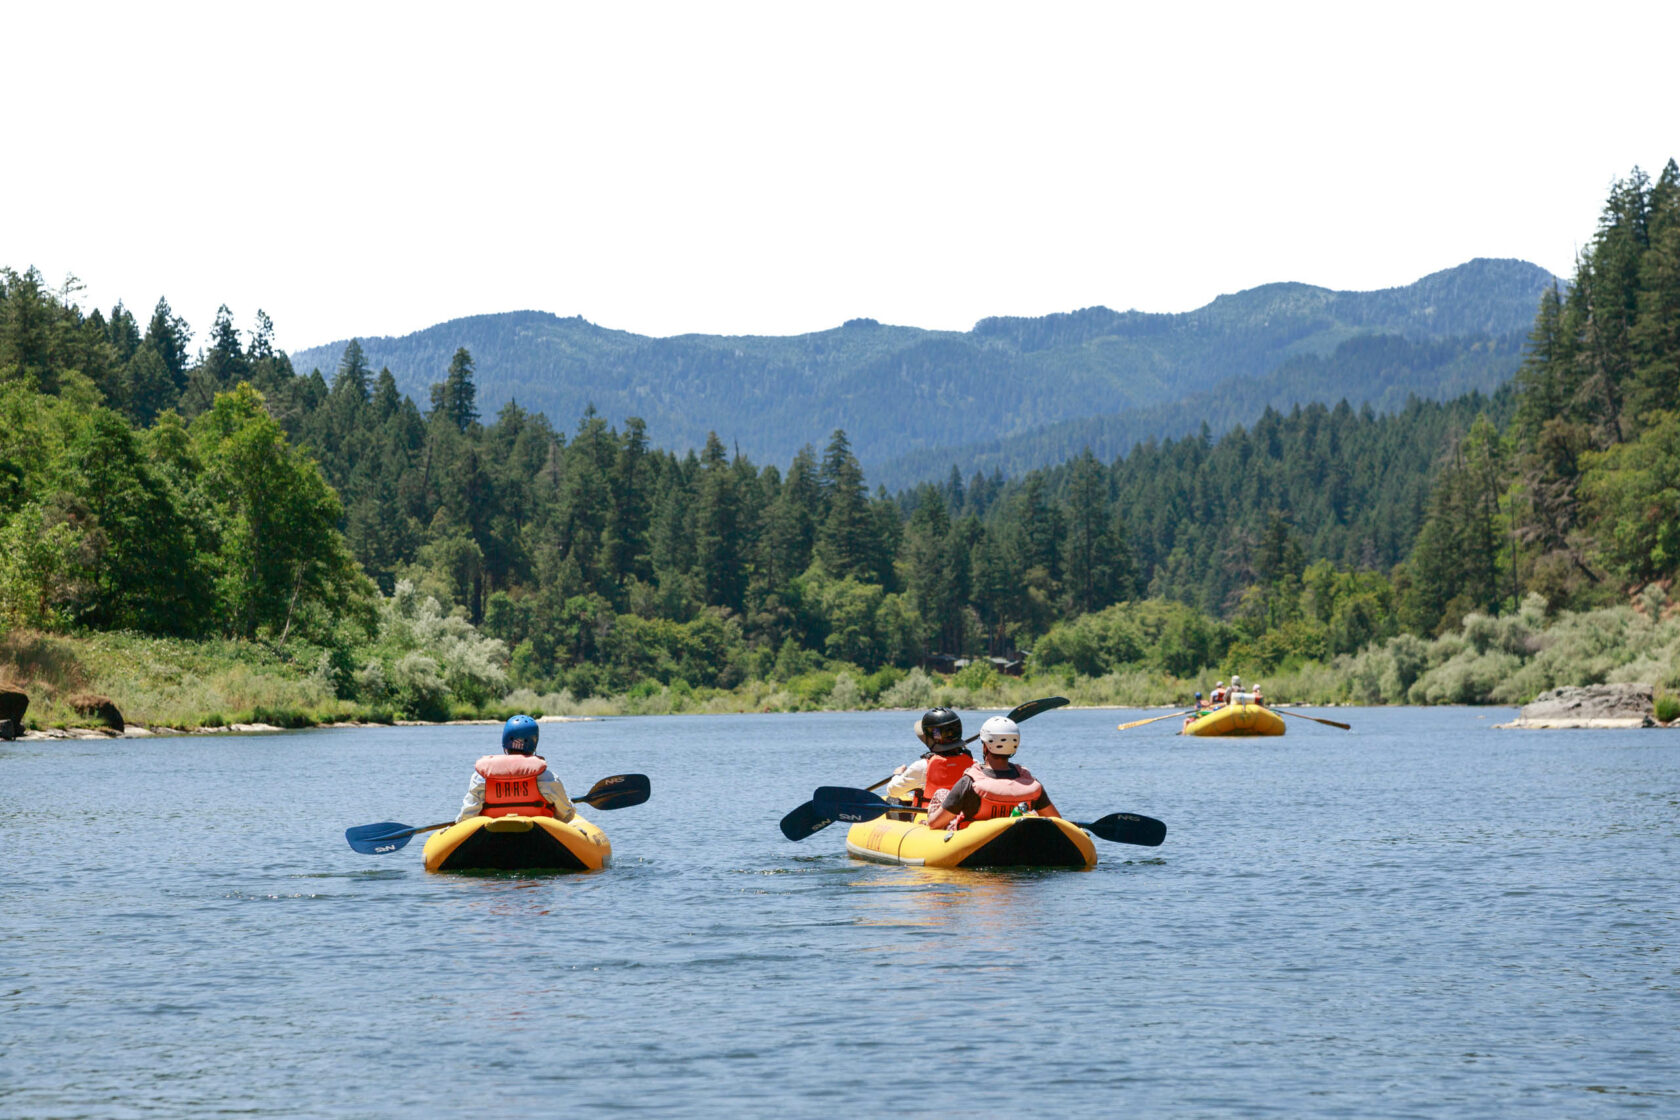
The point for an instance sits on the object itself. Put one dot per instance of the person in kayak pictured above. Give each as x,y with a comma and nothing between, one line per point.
946,759
1197,714
516,782
994,786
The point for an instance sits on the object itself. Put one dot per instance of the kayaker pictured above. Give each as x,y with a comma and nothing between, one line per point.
994,786
946,759
1197,714
516,782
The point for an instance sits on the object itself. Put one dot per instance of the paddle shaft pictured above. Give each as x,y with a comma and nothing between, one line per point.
1315,719
1153,719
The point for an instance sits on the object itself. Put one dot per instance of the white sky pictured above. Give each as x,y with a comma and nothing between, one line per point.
362,169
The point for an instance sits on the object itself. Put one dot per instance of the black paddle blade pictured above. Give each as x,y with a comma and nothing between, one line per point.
842,803
378,839
1129,828
803,821
618,792
1034,707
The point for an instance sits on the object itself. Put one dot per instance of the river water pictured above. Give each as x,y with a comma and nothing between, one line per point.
1423,917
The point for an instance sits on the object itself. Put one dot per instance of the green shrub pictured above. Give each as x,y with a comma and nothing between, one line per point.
1667,707
975,676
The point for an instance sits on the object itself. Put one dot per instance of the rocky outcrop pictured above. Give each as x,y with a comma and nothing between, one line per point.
100,708
1593,705
13,703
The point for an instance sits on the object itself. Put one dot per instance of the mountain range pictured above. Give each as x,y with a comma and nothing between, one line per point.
1013,392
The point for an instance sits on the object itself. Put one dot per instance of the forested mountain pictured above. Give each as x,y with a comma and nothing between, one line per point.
1383,371
1037,382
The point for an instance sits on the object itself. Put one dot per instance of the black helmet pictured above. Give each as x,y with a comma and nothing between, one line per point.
942,730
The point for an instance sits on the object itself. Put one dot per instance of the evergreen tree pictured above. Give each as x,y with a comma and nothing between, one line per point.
454,398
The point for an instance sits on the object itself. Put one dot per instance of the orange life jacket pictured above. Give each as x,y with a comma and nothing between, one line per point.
999,796
510,785
943,770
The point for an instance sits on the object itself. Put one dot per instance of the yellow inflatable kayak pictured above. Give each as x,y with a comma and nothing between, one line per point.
518,844
1029,841
1237,719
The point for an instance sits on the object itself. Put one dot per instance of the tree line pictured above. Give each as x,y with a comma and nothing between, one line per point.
225,493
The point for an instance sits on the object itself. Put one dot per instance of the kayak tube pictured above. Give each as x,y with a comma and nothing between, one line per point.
518,844
1029,841
1237,719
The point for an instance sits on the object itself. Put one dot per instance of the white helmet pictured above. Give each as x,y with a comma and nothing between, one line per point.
1000,736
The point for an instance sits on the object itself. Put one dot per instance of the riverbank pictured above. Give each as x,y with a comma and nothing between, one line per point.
104,683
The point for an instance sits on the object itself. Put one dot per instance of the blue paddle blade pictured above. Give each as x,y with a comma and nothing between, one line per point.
378,839
842,803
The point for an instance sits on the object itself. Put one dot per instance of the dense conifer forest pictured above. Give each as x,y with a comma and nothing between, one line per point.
414,555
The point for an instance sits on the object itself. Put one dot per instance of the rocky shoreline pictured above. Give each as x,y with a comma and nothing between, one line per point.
1597,706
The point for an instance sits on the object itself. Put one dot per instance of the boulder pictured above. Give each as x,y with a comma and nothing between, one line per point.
100,708
13,703
1593,705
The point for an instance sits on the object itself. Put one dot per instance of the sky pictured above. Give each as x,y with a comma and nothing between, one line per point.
362,169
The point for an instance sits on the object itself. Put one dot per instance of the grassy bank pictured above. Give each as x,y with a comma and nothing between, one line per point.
161,682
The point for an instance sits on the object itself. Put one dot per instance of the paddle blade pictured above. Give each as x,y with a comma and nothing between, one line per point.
803,821
618,792
378,839
842,803
1129,828
1033,707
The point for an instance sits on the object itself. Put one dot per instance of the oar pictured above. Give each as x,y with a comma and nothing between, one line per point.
1315,719
806,819
1152,719
617,792
843,804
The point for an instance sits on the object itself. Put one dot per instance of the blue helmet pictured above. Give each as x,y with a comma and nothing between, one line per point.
519,735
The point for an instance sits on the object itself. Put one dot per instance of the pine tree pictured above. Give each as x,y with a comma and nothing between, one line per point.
454,398
720,546
1655,335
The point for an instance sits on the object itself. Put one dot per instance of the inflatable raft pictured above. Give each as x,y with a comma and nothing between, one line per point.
518,844
1029,841
1237,719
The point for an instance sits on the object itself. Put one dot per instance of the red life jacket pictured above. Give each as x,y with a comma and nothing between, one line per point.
999,796
510,785
943,770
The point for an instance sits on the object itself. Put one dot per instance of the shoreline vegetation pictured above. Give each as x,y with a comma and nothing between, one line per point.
170,685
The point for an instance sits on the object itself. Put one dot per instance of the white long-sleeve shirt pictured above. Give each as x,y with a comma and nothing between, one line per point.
908,780
547,785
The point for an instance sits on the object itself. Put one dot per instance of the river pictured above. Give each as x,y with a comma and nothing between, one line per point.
1422,917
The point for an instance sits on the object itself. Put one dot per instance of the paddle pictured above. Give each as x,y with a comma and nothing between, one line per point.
806,819
617,792
1153,719
1315,719
843,804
